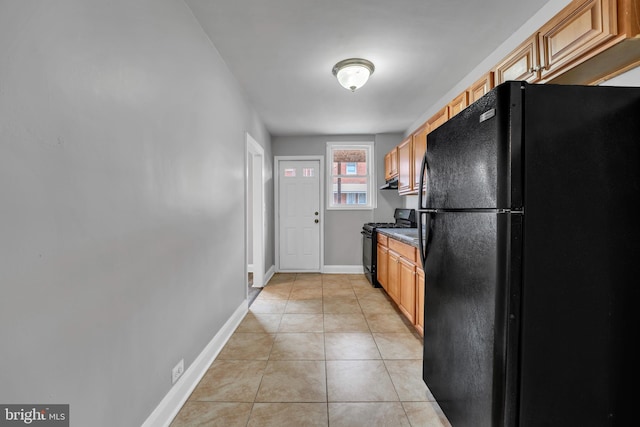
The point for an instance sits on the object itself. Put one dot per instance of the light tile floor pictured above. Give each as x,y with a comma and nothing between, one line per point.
316,350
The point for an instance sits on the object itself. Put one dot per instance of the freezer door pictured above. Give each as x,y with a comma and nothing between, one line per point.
469,158
465,326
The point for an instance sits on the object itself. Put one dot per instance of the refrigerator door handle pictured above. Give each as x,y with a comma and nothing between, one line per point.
425,234
422,189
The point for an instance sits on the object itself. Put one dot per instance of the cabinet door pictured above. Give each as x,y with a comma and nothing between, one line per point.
407,304
576,34
382,265
391,164
405,167
458,104
393,276
387,166
521,64
438,118
481,87
419,322
419,148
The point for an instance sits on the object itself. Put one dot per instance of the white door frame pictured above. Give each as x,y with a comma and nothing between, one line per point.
254,161
276,168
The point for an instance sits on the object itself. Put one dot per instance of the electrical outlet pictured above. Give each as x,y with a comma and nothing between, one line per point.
177,371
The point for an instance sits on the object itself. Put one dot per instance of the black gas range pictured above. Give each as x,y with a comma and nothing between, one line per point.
404,218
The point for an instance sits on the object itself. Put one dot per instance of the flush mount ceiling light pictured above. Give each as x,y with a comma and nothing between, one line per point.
353,73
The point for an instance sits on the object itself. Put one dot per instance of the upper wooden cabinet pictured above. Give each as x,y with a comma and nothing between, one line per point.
405,166
580,30
521,64
411,151
585,43
391,164
438,118
480,87
458,104
590,41
419,139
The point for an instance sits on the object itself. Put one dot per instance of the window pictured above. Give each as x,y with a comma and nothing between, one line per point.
350,176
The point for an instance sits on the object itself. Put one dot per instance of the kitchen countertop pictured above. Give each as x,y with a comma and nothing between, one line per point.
405,235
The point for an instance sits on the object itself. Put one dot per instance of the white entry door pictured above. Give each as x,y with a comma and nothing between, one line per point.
299,212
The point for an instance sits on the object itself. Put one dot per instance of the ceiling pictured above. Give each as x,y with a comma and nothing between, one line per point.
282,53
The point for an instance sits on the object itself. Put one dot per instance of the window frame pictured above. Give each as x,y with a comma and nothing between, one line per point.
371,192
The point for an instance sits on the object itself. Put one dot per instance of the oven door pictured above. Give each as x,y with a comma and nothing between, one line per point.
368,254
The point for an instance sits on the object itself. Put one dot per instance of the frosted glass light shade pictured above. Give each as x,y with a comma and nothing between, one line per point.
353,73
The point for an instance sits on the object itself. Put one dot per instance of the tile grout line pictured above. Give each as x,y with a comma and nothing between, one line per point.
326,367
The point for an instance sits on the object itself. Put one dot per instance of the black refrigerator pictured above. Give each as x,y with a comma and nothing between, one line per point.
531,241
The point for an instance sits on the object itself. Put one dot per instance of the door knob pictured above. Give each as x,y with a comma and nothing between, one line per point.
316,221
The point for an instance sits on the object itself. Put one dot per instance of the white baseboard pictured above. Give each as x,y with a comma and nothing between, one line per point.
343,269
173,401
270,272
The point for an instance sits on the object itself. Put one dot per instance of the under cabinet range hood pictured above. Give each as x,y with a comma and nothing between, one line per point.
391,184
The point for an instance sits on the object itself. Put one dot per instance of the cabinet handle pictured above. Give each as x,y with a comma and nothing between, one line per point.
316,221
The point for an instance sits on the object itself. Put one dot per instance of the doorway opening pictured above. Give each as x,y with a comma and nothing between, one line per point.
255,212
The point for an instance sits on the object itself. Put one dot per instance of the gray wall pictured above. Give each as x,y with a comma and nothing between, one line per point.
342,240
122,141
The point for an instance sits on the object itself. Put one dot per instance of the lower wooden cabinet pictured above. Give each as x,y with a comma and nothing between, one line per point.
419,322
382,262
393,284
407,297
401,277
